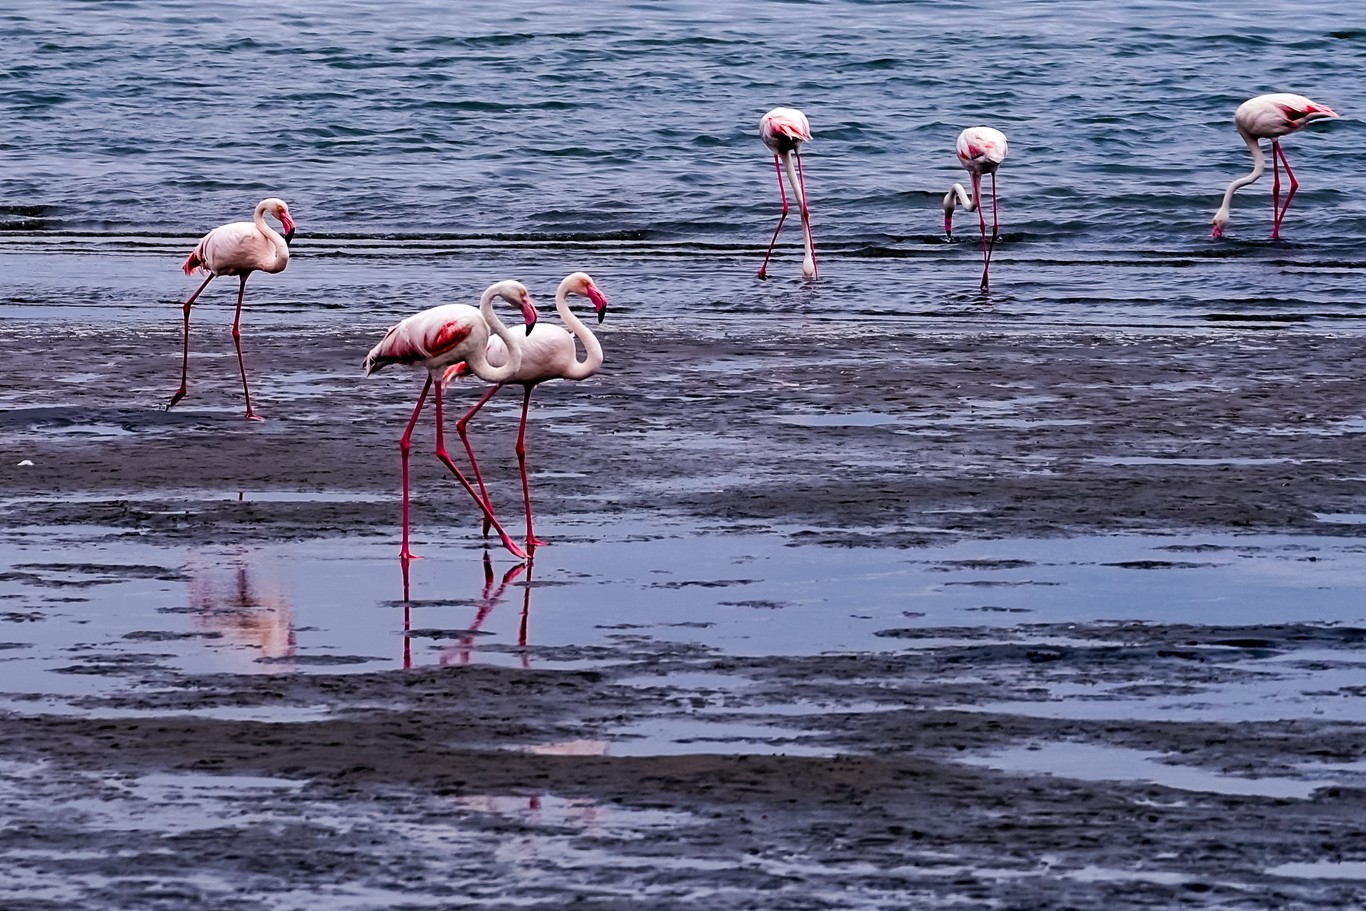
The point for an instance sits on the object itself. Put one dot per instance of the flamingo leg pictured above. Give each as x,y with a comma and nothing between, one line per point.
446,460
981,224
532,542
777,164
404,446
464,438
185,361
806,214
1275,191
990,248
237,340
1290,194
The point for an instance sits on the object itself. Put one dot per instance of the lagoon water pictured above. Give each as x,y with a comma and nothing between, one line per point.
427,148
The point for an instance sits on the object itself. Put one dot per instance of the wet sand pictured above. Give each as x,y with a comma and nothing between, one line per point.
894,777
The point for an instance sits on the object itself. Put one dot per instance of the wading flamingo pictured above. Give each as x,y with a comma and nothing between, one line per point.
980,151
784,130
239,248
549,353
1270,117
436,338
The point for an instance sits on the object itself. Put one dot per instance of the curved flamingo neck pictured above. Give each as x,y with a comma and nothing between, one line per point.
277,240
1258,166
478,358
592,349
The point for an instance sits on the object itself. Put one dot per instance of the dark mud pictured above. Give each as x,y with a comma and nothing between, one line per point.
896,777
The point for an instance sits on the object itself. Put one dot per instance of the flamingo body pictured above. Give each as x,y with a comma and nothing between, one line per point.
784,130
1269,117
980,151
548,353
239,248
436,338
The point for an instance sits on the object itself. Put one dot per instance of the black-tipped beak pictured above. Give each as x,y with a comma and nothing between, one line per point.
289,235
599,301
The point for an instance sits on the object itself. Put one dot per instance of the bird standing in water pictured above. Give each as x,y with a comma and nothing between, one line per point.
784,130
980,151
239,248
434,339
1270,117
548,353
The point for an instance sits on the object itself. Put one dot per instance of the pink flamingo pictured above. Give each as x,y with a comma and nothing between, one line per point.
784,130
980,151
239,248
549,353
1270,117
436,338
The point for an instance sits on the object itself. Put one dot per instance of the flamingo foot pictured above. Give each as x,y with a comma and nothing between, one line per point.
533,543
253,416
763,273
407,556
180,394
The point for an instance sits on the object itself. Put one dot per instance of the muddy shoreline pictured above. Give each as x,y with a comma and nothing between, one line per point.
863,795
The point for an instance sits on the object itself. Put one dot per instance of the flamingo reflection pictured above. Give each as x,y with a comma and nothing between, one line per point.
493,594
249,608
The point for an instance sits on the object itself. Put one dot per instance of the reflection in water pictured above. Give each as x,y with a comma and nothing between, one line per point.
493,593
248,605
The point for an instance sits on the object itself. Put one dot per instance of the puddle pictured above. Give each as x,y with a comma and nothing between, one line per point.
1322,869
1091,762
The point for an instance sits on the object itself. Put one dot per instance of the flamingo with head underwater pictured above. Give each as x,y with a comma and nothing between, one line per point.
980,151
784,130
434,339
239,248
548,353
1270,117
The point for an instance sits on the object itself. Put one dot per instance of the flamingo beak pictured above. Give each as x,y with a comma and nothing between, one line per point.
288,224
528,313
599,301
948,225
1217,233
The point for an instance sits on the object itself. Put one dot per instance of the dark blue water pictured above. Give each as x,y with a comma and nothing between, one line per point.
428,147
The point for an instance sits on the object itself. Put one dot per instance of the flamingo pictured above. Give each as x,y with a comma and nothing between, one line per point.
549,353
1270,117
980,151
239,248
437,337
784,130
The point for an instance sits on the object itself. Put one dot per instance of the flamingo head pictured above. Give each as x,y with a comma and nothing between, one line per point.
522,299
1218,223
276,206
582,284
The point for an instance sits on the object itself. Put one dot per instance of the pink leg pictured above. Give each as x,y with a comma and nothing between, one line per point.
404,446
763,270
981,225
464,438
1275,191
806,215
1294,185
446,460
237,340
185,362
989,248
532,542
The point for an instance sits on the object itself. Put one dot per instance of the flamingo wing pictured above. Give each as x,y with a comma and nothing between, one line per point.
439,334
231,249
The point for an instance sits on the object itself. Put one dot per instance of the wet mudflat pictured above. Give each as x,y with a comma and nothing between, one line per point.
835,616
